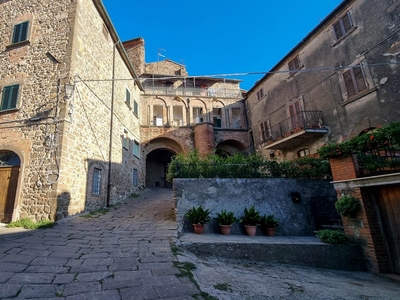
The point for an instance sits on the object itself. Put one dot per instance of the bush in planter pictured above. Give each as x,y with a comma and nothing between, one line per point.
331,236
348,206
225,218
198,215
269,221
251,217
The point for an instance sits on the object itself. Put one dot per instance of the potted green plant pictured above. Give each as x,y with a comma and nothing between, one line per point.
251,219
268,224
225,220
198,216
348,206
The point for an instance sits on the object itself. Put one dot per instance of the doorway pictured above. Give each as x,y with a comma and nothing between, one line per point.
9,174
389,206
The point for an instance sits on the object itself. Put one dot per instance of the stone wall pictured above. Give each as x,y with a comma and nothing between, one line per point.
270,196
40,65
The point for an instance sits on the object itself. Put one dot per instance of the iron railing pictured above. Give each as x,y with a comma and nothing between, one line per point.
296,123
378,161
192,91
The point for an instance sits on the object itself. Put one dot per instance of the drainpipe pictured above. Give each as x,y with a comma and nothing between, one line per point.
111,130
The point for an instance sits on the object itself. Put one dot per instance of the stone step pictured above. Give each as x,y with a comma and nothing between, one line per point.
297,250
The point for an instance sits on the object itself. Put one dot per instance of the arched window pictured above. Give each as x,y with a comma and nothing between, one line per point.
9,158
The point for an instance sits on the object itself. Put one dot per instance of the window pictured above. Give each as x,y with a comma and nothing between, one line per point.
303,152
135,108
9,97
217,117
125,140
96,181
294,64
343,26
136,149
135,180
354,81
260,93
20,33
128,97
265,132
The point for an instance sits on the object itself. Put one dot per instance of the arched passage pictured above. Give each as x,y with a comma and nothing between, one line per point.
229,147
9,172
159,154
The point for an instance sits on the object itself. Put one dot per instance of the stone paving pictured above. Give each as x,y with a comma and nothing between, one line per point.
123,254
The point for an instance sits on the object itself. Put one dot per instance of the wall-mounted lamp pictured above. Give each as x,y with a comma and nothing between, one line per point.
296,198
69,90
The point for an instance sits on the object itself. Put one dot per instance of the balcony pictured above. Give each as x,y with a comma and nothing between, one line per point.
295,130
192,91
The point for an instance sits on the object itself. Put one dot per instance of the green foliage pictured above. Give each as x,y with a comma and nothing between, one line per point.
134,195
250,217
331,236
245,166
348,206
223,287
269,221
388,135
225,218
198,215
96,213
29,224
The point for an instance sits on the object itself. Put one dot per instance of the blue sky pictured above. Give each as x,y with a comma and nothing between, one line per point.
219,36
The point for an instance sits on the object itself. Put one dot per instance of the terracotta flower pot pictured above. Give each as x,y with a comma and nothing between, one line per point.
225,229
198,228
250,230
270,231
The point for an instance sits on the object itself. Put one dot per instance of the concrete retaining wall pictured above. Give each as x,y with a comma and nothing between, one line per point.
268,195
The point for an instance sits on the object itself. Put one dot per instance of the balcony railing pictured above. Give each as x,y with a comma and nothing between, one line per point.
192,91
304,120
378,161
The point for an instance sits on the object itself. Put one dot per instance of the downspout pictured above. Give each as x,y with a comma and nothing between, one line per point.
111,130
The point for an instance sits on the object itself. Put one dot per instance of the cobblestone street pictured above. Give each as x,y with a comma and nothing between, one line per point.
123,254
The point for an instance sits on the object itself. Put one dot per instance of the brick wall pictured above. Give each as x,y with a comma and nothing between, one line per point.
364,228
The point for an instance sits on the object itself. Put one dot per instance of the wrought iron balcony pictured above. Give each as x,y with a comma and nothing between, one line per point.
378,161
192,91
296,129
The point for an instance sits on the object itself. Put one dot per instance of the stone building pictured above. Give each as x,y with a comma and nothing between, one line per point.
339,81
65,125
180,113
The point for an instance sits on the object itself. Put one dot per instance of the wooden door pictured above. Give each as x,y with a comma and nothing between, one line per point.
295,115
389,206
8,188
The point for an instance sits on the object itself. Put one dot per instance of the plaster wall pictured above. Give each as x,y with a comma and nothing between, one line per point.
270,196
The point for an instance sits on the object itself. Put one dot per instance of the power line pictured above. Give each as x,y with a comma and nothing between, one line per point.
302,70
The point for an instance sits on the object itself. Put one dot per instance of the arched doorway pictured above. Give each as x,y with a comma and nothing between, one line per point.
9,172
229,147
157,167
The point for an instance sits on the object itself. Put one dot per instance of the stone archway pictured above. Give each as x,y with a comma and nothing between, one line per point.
10,164
229,147
159,154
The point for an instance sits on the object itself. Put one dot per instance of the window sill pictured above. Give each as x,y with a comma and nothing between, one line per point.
128,104
19,44
10,110
295,72
358,96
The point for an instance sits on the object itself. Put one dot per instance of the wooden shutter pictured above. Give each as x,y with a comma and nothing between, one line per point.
10,97
359,79
348,83
338,30
135,107
20,32
346,21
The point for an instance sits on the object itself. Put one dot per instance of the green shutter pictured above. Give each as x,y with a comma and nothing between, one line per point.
10,97
135,108
128,97
20,33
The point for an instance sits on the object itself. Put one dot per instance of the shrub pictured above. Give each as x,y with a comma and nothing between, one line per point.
269,221
331,236
29,224
198,215
250,217
225,218
348,206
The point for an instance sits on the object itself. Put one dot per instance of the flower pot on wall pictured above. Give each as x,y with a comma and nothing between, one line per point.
270,231
225,229
250,230
198,228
